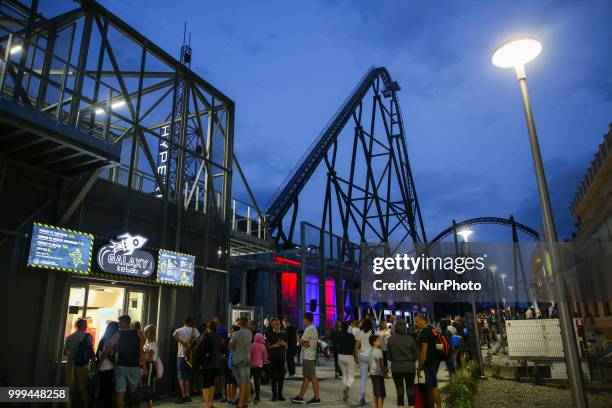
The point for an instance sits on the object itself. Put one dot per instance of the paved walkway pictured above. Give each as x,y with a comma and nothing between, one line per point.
331,391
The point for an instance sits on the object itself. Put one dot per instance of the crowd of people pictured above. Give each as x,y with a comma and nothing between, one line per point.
126,360
231,366
235,364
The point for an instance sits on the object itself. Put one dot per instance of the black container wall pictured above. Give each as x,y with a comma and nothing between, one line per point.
33,304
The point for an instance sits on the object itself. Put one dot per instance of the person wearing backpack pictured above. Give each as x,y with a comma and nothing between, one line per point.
131,365
185,336
78,347
429,359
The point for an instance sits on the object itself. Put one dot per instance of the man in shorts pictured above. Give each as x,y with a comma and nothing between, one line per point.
428,360
241,360
309,342
185,337
128,344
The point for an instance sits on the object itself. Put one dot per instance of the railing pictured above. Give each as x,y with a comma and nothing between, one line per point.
244,218
246,221
69,67
145,183
24,77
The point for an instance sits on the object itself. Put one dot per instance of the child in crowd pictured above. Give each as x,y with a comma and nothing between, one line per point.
259,355
378,371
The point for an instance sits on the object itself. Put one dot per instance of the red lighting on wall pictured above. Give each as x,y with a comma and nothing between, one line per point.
289,283
330,301
286,261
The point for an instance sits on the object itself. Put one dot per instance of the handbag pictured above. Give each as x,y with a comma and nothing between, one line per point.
422,398
144,392
159,367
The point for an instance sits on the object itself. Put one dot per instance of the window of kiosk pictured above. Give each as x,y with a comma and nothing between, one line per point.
135,306
104,304
100,304
76,308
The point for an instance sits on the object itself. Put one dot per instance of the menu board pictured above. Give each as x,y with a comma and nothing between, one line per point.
175,268
61,249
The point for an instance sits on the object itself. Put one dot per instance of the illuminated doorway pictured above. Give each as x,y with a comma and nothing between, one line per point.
101,304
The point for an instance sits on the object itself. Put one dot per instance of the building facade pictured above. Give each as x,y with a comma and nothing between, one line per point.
592,209
115,187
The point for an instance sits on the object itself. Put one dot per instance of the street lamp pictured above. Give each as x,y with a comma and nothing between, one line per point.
465,234
15,49
515,54
493,269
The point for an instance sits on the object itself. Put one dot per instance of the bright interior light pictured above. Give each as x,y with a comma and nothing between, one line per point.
16,48
493,268
118,104
99,111
516,53
465,234
503,276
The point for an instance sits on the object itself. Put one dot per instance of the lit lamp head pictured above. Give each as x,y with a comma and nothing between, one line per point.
16,49
493,269
516,53
503,276
465,234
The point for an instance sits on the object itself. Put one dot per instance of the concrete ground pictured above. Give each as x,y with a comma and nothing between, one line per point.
331,391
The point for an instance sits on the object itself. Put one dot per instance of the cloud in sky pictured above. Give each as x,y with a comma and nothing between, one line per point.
289,65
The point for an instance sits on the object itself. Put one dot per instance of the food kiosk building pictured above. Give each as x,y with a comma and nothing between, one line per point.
115,184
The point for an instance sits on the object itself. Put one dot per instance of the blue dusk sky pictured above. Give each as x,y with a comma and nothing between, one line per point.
288,65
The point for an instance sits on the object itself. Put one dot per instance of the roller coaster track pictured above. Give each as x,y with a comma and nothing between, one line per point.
509,222
287,194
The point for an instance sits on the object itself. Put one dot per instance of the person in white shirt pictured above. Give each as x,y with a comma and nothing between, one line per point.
151,350
185,336
355,328
384,333
363,344
309,342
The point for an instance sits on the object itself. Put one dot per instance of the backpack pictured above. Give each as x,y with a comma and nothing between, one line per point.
200,352
84,352
443,347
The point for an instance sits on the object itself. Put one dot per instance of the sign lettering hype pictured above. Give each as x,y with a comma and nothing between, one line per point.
163,157
124,257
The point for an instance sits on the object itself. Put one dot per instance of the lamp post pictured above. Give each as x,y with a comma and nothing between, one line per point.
503,278
515,54
493,269
465,234
516,309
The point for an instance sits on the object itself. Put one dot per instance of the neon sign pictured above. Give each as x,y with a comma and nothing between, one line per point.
124,257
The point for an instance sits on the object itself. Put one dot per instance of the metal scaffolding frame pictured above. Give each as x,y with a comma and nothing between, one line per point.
376,200
90,71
